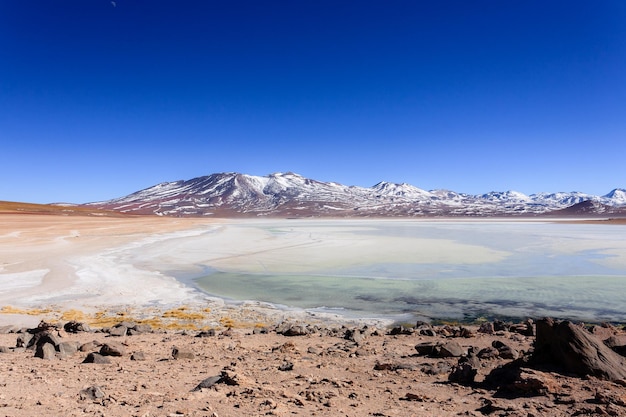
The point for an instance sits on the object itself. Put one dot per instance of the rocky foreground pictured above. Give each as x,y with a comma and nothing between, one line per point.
529,369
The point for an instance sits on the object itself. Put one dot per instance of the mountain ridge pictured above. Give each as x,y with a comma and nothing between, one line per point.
292,195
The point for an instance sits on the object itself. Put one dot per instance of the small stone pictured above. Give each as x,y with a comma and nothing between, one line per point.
182,354
94,357
286,366
463,374
138,356
208,382
112,349
118,331
92,393
89,346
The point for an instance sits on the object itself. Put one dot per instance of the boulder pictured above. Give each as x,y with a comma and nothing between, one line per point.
138,356
42,338
45,351
112,349
571,349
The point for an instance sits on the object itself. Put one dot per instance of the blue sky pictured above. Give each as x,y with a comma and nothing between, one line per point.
99,99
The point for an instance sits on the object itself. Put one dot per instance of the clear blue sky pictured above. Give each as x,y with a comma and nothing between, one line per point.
99,99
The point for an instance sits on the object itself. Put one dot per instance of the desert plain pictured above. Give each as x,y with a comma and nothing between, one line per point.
75,288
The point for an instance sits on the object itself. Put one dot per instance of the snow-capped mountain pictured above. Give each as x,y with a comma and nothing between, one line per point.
291,195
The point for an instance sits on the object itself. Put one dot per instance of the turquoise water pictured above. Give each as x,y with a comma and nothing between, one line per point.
541,269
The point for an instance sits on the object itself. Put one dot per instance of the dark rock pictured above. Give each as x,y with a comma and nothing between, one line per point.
288,329
527,328
471,359
94,357
182,354
393,366
438,368
427,332
571,349
112,349
208,382
23,340
138,356
207,333
505,351
286,366
463,373
426,348
43,337
45,351
354,335
488,353
43,327
486,328
401,330
230,378
499,325
449,349
76,327
92,393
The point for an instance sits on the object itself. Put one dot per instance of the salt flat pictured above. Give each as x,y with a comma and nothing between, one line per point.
372,268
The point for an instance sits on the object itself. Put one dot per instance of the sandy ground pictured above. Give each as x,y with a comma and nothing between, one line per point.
318,374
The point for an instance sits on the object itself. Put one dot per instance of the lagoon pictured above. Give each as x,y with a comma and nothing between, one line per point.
418,269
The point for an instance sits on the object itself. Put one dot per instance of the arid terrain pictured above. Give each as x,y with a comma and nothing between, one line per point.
291,369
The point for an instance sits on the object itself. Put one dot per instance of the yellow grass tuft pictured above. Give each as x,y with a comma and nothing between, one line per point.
30,312
182,314
73,315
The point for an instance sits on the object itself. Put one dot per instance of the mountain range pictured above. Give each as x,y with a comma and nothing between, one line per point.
292,195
